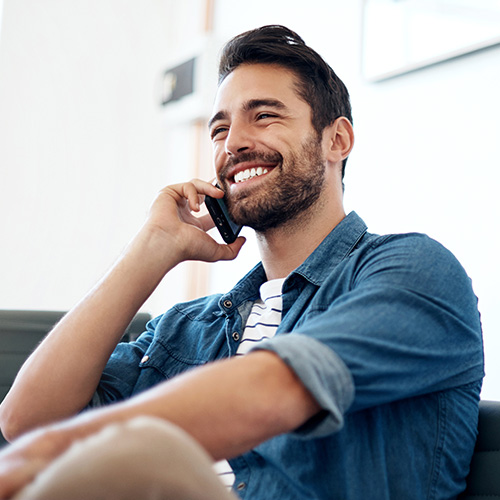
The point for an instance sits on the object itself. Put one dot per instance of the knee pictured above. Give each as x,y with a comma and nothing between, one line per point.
139,442
129,459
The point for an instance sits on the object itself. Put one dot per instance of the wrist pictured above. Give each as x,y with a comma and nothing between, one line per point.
155,249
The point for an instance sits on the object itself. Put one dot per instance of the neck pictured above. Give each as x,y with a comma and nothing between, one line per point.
286,247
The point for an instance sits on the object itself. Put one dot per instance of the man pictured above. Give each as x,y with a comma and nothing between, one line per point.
369,386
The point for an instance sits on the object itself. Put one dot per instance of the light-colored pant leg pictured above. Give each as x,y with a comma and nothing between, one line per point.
144,458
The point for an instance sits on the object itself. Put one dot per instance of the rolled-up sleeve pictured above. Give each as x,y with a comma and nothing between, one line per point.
323,374
403,324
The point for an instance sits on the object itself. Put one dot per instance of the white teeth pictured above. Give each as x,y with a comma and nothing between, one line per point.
249,173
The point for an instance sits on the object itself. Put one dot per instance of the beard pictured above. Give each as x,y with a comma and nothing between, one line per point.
297,187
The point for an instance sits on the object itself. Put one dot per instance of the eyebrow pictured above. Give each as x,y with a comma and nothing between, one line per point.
248,106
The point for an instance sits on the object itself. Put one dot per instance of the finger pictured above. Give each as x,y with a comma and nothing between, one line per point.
19,476
191,194
204,187
215,182
215,191
195,191
230,251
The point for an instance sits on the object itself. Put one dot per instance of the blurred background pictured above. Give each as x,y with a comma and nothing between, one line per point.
91,129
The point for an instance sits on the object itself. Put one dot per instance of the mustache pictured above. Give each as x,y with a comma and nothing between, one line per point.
247,157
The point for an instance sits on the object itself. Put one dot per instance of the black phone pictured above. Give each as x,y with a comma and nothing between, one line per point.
217,209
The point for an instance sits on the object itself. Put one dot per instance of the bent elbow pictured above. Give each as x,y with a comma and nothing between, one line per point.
8,430
10,424
8,434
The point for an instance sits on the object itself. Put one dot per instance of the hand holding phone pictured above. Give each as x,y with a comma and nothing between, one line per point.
217,209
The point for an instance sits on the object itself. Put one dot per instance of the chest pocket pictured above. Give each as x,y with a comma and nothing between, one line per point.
176,348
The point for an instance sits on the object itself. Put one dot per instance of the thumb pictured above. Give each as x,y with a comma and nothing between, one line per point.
230,251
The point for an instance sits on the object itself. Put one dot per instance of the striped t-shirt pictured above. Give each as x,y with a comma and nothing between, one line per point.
262,324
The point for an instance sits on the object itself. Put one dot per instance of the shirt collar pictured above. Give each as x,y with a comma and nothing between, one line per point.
337,245
331,251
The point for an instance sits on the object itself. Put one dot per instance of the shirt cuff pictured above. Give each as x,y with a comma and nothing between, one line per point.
95,402
323,374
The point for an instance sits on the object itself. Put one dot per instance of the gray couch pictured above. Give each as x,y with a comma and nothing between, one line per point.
22,331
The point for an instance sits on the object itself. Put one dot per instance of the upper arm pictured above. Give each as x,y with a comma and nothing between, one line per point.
408,324
122,370
404,323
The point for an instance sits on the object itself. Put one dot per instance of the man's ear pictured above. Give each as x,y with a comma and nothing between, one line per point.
339,139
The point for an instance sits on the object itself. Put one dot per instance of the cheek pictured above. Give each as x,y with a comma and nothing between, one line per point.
219,157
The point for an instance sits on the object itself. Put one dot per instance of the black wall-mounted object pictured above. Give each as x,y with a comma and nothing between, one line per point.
178,82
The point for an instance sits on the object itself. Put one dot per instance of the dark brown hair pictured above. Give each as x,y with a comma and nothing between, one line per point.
318,84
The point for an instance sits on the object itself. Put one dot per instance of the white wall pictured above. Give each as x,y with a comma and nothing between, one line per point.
84,147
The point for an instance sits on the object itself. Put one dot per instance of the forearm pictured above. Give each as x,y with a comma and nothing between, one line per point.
228,406
60,377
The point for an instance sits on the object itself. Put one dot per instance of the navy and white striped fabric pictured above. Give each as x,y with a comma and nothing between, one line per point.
265,316
262,324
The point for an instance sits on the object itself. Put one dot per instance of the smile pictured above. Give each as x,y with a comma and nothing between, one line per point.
249,173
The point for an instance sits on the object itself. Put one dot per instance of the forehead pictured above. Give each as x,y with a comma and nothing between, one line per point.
257,81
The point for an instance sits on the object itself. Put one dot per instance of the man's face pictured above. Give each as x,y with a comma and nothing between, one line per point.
268,157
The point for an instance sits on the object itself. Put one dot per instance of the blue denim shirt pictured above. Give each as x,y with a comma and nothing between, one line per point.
385,333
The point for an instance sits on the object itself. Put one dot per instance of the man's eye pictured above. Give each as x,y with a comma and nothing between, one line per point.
216,131
263,116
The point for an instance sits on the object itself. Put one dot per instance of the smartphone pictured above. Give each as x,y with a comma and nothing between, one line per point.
217,209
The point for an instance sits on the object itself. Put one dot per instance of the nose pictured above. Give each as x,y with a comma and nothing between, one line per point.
239,138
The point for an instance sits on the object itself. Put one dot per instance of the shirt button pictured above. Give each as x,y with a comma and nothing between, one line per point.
144,359
241,486
227,304
236,336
